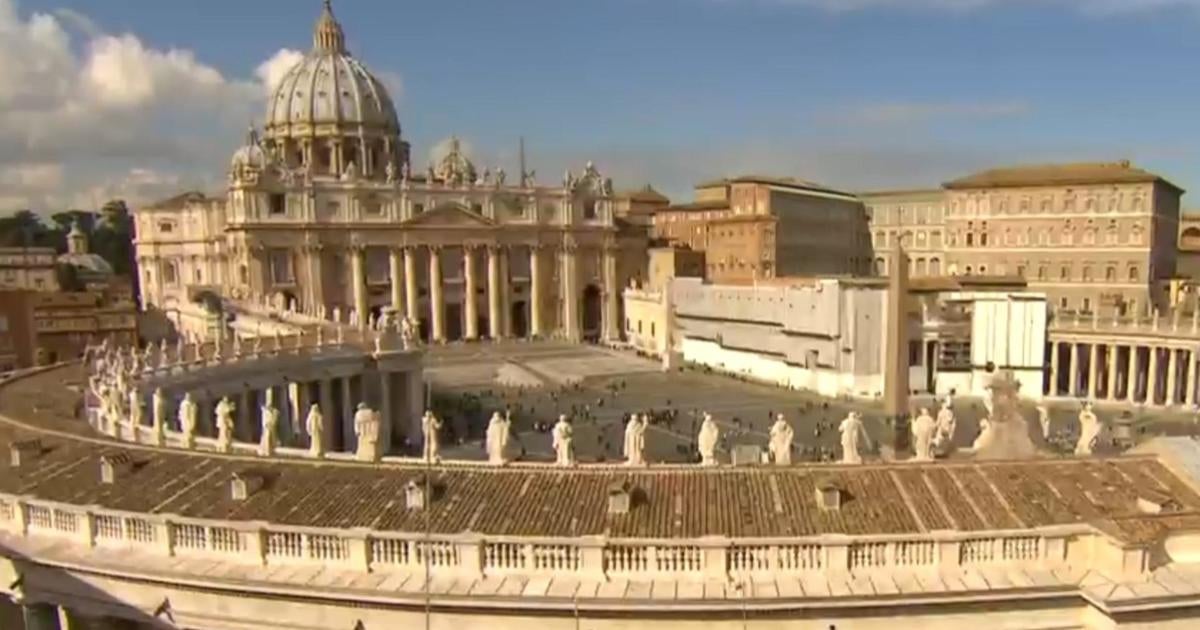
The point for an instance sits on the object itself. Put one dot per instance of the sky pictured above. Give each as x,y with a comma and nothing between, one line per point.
141,99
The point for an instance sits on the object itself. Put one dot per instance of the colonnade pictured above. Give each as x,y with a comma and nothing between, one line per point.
1155,373
405,296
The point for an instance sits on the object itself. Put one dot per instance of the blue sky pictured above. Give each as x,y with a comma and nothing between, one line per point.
853,93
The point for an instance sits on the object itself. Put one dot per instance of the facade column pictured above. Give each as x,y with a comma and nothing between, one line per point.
1172,378
1189,379
470,289
536,291
1152,377
349,405
258,270
40,616
1073,389
1113,351
386,410
359,273
438,309
570,293
316,289
330,430
410,283
612,293
505,294
244,430
1131,378
1093,370
395,272
1053,368
493,282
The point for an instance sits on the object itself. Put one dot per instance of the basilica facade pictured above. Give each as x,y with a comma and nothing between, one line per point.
325,211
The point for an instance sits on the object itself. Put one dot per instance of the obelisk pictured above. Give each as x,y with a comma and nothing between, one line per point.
895,366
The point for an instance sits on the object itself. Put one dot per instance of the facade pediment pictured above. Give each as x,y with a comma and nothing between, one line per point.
450,215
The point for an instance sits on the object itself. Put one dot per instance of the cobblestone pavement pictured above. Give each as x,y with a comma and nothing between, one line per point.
612,384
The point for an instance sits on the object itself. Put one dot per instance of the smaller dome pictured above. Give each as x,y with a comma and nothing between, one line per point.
456,168
250,156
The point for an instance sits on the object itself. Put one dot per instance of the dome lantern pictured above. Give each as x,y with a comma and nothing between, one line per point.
328,37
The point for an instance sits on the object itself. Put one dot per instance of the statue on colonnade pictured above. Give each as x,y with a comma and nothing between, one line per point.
1089,430
224,417
430,425
707,440
497,438
564,447
782,436
635,440
852,431
187,420
315,425
946,425
924,428
270,424
366,429
158,417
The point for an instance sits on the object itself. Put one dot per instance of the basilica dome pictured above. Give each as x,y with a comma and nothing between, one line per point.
330,94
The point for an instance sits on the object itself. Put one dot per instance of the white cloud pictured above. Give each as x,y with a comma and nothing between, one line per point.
272,71
916,113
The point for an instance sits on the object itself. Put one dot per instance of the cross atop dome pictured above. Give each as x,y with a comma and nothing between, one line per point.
328,37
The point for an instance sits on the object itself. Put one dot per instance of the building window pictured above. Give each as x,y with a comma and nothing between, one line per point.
589,209
1135,235
1087,273
281,266
1064,273
418,208
1064,303
197,276
333,208
166,227
935,267
276,204
477,208
1042,272
1133,273
1110,273
373,207
1087,305
170,273
1021,270
1069,204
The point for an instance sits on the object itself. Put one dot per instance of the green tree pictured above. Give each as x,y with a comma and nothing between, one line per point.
24,228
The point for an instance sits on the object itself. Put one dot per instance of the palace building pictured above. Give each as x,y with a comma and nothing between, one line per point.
324,211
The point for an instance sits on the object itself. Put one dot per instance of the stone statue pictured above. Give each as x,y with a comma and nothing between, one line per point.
158,416
115,404
500,176
497,438
1044,421
430,425
852,431
782,435
315,425
136,413
635,441
270,425
351,172
563,438
408,335
923,429
1089,430
389,172
187,420
224,416
707,440
1005,434
337,315
366,428
945,427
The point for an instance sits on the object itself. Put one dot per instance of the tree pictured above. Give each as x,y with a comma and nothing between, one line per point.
25,229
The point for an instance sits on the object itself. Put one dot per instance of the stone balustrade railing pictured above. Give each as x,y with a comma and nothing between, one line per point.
1174,324
474,555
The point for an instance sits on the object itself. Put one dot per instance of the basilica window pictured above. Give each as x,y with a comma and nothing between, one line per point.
276,204
1090,205
589,209
1087,273
1111,235
1043,272
935,267
280,260
1137,204
378,263
170,273
166,227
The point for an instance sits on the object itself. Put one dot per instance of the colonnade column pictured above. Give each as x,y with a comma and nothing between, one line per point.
1093,370
245,416
471,288
438,318
330,429
316,291
570,292
536,291
612,329
359,273
506,319
1131,375
1113,351
1073,386
1189,394
1152,377
1172,379
493,289
386,411
1053,368
410,283
395,268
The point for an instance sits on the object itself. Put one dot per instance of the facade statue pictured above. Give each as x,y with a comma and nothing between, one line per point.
782,435
158,416
946,424
1089,430
389,172
224,417
187,420
430,425
635,441
852,430
497,438
366,429
1044,421
564,448
115,407
408,334
500,176
315,425
351,172
1005,433
924,427
270,425
707,440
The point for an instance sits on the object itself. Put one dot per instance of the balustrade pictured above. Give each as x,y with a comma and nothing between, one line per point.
266,544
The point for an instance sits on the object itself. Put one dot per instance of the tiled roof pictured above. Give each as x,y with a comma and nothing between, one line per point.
786,182
1080,173
178,201
673,502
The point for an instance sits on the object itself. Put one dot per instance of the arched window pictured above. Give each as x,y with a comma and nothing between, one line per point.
1110,273
1043,272
967,270
935,267
170,273
1135,235
1134,276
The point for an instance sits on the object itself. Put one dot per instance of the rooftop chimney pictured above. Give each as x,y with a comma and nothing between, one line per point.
414,494
24,452
113,466
829,496
620,497
242,485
